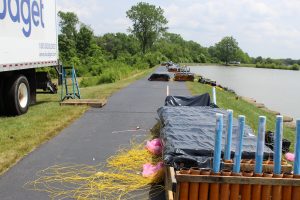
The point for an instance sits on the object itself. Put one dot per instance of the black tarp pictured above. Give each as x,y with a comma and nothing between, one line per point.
269,141
201,100
188,135
159,77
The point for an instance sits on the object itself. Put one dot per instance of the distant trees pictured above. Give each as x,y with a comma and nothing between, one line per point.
148,23
113,56
118,44
175,48
227,50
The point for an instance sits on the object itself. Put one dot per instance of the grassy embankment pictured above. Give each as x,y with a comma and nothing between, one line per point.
270,66
228,100
21,135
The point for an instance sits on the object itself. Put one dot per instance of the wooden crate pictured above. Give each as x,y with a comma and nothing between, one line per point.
173,180
184,77
287,168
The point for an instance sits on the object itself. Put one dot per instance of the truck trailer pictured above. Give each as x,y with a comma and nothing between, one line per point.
28,41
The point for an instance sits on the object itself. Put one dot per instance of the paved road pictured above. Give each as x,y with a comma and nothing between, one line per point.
90,140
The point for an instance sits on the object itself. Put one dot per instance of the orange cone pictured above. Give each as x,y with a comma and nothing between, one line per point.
266,189
235,189
225,187
214,189
246,189
287,190
184,187
204,187
276,189
194,187
296,190
256,189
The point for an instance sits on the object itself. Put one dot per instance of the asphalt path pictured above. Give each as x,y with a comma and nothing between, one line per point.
97,135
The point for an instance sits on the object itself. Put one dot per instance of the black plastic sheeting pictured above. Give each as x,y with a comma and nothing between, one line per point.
188,135
159,77
201,100
269,141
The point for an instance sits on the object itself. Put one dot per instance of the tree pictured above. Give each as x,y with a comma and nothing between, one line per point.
259,59
148,23
117,44
227,50
67,37
84,41
68,22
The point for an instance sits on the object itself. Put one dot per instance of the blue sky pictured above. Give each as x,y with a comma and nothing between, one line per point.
269,28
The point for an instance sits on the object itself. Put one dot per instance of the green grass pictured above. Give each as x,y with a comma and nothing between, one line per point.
109,75
228,100
21,135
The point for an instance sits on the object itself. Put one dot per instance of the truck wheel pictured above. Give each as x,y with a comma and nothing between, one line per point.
18,98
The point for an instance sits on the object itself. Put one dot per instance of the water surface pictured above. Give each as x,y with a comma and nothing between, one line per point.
279,90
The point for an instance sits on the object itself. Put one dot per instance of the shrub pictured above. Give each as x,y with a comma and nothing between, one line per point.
295,67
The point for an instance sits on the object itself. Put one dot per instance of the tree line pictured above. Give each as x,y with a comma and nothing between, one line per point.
113,56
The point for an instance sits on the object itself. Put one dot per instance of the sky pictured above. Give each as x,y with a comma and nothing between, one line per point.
267,28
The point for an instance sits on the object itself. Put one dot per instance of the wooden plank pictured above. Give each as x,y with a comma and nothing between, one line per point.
177,192
266,168
168,184
173,179
238,180
96,103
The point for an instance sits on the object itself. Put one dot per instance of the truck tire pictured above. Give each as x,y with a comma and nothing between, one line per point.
18,96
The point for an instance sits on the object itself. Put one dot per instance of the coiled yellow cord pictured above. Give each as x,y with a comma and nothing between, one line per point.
120,178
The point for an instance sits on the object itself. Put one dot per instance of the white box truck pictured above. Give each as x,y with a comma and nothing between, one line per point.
28,40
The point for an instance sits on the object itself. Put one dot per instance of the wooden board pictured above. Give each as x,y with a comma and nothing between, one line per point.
168,184
171,185
96,103
237,180
266,168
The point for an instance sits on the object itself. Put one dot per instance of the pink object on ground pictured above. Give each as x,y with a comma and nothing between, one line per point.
150,170
154,146
290,157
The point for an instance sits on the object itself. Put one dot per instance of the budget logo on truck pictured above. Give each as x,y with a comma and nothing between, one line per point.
27,13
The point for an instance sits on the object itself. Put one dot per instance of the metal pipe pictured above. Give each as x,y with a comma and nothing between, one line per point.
239,145
260,145
278,145
218,140
229,135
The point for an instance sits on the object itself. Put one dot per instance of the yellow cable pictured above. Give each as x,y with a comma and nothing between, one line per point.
120,178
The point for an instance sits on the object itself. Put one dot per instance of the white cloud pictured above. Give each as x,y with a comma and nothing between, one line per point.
262,27
84,9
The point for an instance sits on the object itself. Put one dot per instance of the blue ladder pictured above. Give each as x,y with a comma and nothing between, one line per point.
65,92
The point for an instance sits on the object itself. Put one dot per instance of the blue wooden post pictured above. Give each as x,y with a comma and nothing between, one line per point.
239,145
278,145
229,135
218,141
259,155
214,95
297,150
